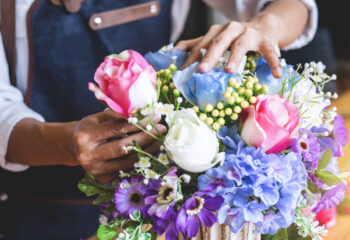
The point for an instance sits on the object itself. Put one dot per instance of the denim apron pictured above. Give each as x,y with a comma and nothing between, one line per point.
66,53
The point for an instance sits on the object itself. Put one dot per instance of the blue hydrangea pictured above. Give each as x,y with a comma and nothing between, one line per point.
203,88
264,74
260,188
163,58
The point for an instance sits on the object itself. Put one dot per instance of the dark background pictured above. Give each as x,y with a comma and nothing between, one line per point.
331,44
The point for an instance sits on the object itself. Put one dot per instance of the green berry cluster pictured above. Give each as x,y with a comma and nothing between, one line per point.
167,91
251,62
238,96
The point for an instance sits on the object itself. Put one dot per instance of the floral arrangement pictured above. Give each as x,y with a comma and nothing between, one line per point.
240,148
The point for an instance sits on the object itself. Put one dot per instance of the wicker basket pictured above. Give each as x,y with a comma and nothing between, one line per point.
223,232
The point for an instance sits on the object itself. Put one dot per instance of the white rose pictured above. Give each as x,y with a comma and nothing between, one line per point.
190,143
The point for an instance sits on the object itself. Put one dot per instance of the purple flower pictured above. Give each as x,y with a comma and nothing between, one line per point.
166,225
165,195
130,196
195,209
307,146
340,134
331,198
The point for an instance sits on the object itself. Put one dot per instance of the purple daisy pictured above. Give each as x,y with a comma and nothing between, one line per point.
130,196
165,194
197,208
307,144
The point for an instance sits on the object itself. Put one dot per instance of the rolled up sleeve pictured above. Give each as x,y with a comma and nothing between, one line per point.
12,110
310,28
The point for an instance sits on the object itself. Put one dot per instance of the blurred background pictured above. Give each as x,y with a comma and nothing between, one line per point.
331,45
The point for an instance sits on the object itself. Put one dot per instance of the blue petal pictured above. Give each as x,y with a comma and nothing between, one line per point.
181,78
162,60
264,74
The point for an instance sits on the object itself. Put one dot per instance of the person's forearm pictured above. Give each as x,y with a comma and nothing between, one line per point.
37,144
289,16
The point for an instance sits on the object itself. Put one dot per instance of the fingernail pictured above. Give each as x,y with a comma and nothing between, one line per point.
278,72
204,67
231,67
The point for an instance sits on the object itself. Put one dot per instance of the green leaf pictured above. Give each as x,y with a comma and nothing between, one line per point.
282,234
312,187
103,197
325,159
90,186
106,233
327,177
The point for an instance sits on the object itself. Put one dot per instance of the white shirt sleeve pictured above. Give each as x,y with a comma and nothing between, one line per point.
244,10
12,110
311,26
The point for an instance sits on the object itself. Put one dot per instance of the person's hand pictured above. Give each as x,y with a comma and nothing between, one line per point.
259,35
96,143
100,145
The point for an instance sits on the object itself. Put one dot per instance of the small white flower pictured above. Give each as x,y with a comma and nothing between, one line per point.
103,220
132,120
335,95
328,94
179,197
150,174
149,127
186,178
143,163
283,62
316,78
179,99
145,181
147,111
163,158
174,58
334,77
168,108
159,108
320,67
162,148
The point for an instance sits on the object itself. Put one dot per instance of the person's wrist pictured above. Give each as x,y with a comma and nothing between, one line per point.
61,136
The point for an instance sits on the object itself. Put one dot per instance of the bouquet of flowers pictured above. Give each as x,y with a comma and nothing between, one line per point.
239,148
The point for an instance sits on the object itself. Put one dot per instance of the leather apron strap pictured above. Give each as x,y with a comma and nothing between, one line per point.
8,32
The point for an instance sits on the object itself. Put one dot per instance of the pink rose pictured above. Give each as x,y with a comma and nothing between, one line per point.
271,124
126,82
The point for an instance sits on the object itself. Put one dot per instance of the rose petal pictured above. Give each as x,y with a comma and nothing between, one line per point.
113,105
252,133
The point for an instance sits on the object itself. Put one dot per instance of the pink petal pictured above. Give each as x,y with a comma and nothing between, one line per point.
252,133
274,133
112,104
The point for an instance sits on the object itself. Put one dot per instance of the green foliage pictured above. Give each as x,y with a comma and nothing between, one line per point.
325,159
282,234
106,233
312,187
91,187
327,177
